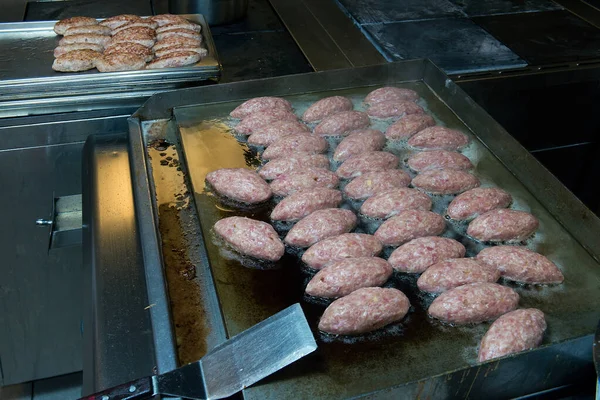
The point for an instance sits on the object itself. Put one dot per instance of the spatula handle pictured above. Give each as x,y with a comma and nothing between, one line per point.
138,389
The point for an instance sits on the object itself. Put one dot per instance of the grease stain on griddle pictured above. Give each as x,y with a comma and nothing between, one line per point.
186,305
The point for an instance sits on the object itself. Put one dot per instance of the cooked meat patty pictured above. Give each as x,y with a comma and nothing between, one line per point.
420,253
94,38
438,138
130,48
445,181
409,225
368,161
371,183
436,159
76,60
298,162
202,52
97,29
179,25
120,62
260,119
177,41
303,142
335,248
119,20
455,272
165,19
392,202
239,184
61,26
298,205
135,32
64,49
408,126
477,201
174,60
503,225
303,179
270,133
144,23
179,33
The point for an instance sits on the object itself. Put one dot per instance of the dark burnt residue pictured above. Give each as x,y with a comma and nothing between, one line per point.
187,309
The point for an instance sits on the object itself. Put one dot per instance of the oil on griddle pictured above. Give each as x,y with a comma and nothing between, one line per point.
416,348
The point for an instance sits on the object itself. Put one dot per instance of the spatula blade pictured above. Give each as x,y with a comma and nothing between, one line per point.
245,358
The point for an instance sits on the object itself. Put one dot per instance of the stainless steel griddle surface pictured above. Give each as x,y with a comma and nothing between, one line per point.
417,348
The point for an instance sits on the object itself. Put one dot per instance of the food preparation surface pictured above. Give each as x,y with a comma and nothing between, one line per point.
26,55
415,349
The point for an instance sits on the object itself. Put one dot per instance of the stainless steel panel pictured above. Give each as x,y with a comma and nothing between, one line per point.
26,55
432,349
535,185
40,322
118,340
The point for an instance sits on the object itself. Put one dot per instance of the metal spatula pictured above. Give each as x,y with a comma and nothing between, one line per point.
239,362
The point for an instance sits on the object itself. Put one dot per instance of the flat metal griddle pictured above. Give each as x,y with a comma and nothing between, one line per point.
442,358
26,56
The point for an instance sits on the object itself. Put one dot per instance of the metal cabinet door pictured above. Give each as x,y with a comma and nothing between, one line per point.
41,291
40,301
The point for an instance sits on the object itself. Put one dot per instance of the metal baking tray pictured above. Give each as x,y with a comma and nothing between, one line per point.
420,357
26,56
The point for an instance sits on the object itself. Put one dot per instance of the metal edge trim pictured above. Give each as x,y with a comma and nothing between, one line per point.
158,300
313,39
583,10
564,206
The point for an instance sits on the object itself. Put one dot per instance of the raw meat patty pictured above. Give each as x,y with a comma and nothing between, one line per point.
439,138
477,201
130,48
61,26
474,303
76,60
448,274
342,123
372,183
119,20
259,119
60,50
408,125
513,332
320,225
419,254
358,142
120,62
175,60
300,204
394,108
369,161
302,143
409,225
521,265
335,248
387,204
390,93
303,179
436,159
251,237
325,107
260,104
299,161
445,181
96,29
364,310
94,38
503,225
345,276
270,133
239,184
